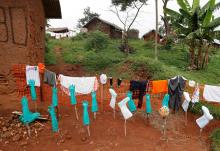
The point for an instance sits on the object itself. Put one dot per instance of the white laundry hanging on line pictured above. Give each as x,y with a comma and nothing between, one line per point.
204,120
212,93
185,104
32,73
124,109
113,98
195,97
83,85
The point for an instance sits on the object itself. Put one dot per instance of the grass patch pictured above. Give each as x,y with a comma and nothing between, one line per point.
215,140
113,62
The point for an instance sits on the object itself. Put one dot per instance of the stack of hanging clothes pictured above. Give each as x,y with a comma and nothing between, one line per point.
138,89
175,89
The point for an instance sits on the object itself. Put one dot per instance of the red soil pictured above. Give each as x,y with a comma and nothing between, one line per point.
107,134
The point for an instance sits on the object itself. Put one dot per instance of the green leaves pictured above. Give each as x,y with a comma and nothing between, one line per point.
208,16
195,5
215,23
182,4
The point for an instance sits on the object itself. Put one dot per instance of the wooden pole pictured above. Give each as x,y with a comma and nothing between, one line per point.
35,105
156,33
94,115
102,87
88,129
186,118
28,130
114,113
76,112
41,87
125,128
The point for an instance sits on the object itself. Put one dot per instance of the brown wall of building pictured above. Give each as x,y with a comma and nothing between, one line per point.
22,28
151,37
103,27
115,33
98,25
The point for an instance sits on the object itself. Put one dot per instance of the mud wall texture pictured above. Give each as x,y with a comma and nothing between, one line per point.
22,36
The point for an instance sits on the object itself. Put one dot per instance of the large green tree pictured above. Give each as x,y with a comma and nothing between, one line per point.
197,26
88,15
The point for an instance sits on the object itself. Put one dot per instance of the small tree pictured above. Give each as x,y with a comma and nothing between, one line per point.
88,15
127,12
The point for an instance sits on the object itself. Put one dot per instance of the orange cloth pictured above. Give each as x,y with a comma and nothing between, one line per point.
41,67
160,86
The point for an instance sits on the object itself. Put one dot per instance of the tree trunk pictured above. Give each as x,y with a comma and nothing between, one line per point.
206,58
192,57
165,20
199,60
125,42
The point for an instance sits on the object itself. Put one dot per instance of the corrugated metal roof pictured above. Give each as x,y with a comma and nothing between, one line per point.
111,24
52,9
58,30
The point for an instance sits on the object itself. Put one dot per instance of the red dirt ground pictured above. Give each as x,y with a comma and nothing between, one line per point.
107,134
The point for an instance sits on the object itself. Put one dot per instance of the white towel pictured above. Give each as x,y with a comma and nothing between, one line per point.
195,97
204,120
113,98
192,83
32,73
212,93
124,109
83,85
185,104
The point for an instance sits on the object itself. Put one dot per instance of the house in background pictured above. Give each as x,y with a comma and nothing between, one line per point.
150,36
59,33
22,38
112,30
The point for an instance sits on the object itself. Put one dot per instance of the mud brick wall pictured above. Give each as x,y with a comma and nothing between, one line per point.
22,28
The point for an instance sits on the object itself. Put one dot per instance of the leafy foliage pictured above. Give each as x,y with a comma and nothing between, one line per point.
97,41
125,3
88,15
215,139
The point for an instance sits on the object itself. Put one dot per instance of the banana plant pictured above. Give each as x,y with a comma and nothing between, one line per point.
198,27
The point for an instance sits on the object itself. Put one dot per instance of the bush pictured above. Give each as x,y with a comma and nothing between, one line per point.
215,140
97,41
80,36
150,67
197,109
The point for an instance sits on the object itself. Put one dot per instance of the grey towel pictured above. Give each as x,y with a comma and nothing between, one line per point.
50,78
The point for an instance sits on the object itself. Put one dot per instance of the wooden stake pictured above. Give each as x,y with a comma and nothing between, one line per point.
102,87
35,105
114,113
28,130
186,119
41,88
76,112
125,128
88,130
94,115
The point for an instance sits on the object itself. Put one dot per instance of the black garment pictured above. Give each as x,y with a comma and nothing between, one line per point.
111,81
175,89
138,89
119,82
50,78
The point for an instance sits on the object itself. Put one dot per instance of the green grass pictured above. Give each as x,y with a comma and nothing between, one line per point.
215,139
115,63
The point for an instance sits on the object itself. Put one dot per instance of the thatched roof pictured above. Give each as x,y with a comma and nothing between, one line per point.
58,30
52,9
104,21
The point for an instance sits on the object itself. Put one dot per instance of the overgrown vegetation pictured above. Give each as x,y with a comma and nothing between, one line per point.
112,61
214,110
215,139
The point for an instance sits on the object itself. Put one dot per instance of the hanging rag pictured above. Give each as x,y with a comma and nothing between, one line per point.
138,89
50,77
160,86
212,93
83,85
175,89
32,73
195,97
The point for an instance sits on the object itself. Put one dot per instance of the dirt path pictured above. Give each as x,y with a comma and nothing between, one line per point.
107,133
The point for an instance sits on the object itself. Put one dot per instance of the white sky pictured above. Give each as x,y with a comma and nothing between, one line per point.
72,10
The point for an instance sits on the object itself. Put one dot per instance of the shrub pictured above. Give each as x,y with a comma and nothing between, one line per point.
80,36
97,41
215,140
150,67
197,109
